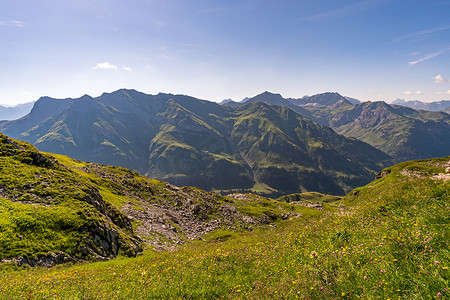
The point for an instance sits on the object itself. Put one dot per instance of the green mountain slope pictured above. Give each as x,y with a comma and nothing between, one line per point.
386,240
401,132
54,209
186,141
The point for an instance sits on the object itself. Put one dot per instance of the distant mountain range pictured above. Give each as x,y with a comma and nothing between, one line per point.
15,112
267,149
443,105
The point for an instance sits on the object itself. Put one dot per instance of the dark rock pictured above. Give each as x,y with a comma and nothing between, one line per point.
28,186
383,174
40,160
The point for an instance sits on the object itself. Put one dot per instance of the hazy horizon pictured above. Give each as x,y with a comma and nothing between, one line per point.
237,100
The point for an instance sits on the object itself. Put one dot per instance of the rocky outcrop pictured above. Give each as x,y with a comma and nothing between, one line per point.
383,174
108,238
48,260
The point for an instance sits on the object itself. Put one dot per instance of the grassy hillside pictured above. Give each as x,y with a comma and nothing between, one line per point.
54,209
49,214
386,240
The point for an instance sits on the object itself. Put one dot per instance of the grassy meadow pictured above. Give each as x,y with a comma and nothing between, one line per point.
387,240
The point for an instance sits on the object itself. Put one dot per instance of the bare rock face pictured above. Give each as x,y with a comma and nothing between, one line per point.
163,226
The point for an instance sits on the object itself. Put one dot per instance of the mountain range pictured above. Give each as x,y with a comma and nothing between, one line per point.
267,149
387,238
443,105
402,132
266,144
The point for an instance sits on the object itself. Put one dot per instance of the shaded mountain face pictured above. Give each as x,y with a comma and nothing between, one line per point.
267,149
42,109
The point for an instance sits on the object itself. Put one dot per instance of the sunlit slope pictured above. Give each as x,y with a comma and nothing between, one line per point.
388,239
54,209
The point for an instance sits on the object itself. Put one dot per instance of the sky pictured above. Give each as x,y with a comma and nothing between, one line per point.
368,49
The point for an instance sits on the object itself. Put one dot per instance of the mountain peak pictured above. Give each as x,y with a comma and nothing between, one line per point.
324,99
269,98
85,97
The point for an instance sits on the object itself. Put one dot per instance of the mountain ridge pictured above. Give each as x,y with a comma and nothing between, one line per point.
188,141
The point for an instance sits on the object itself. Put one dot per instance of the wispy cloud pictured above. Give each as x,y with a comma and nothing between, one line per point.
409,93
158,24
430,56
443,93
341,12
422,33
104,66
440,79
128,69
12,23
163,56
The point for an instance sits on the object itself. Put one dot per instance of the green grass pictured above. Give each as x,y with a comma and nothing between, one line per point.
309,196
387,240
32,231
66,205
45,207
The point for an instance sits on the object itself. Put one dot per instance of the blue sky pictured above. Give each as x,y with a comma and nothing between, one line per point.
369,50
